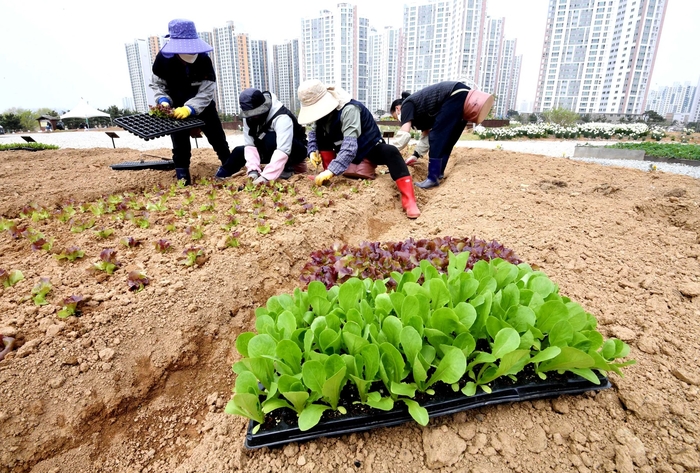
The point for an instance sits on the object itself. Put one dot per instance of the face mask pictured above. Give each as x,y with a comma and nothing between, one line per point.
189,58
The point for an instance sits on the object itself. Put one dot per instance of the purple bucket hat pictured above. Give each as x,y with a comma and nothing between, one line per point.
183,39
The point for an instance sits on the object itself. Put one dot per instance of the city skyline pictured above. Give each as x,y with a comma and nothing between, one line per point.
86,57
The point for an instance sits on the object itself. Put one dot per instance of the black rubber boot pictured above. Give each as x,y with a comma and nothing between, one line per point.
183,174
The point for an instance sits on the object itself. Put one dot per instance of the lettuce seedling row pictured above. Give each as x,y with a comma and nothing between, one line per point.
282,428
148,127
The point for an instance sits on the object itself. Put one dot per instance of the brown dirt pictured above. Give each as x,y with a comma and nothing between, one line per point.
138,383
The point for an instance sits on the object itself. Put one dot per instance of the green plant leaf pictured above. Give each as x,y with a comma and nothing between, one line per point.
505,341
289,352
351,293
451,367
314,375
439,295
562,334
392,327
445,320
375,399
418,412
549,314
457,263
546,354
566,360
411,342
262,345
311,415
587,374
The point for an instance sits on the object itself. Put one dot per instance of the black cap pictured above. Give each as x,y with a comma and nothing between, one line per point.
254,102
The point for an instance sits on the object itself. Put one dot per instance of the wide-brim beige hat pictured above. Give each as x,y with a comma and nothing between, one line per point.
316,101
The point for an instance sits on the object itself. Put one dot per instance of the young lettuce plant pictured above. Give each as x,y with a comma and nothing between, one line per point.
41,290
163,246
72,305
130,242
137,280
10,278
193,256
108,261
71,253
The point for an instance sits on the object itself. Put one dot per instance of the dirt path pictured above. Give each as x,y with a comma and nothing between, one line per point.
138,382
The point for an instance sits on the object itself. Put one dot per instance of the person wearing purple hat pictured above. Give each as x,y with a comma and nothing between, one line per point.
184,78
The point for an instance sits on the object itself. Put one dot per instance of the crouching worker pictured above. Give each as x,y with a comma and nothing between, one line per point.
184,79
441,112
271,136
344,130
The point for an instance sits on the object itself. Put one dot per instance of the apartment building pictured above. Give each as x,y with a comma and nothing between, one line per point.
443,41
385,57
138,58
508,79
669,102
598,55
490,68
286,73
333,49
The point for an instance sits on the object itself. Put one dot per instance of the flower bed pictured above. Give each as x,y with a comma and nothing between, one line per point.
633,131
317,352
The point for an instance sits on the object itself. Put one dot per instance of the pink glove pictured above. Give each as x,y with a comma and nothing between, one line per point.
273,170
252,158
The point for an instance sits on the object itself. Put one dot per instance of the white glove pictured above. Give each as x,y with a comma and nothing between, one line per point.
401,139
423,145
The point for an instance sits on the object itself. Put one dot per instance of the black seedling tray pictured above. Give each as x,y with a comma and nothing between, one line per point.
164,165
149,127
438,405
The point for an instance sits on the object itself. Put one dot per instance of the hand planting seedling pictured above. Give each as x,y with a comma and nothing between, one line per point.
10,278
72,305
40,291
137,280
108,261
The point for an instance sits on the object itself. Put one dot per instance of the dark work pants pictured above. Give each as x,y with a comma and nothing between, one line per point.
445,133
266,147
212,129
389,156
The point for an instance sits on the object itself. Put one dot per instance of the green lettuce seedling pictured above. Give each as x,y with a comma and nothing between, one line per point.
40,291
10,278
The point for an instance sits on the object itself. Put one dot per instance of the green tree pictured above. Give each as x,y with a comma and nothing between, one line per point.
513,115
11,122
532,118
652,116
561,116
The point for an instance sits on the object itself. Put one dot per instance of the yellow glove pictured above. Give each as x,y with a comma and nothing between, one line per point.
315,158
324,177
182,112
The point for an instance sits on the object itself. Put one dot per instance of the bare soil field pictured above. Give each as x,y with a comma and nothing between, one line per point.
139,381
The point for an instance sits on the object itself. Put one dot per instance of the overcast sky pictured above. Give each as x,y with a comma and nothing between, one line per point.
52,53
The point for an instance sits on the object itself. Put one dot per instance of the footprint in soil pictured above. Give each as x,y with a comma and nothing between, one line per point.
546,185
7,343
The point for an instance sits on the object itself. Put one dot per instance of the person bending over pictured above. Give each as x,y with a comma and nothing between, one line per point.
345,128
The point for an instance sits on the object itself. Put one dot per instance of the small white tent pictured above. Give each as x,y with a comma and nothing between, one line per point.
83,110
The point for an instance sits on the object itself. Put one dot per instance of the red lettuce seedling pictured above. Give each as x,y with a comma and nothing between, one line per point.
108,261
160,111
71,254
130,242
10,278
40,291
163,246
193,256
71,306
137,280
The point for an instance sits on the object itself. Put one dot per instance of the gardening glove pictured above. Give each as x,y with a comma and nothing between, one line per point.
315,158
164,101
324,177
423,146
401,139
182,112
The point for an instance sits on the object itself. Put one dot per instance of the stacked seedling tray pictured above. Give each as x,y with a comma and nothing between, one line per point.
148,127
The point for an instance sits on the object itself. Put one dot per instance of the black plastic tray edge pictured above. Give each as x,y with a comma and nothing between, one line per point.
165,165
185,125
347,425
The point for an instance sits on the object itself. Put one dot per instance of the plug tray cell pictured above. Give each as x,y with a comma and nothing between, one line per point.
148,127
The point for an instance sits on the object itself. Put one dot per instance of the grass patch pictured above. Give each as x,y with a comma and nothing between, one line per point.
663,150
17,146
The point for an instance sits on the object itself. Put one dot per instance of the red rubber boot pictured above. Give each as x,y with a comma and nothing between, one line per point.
408,198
